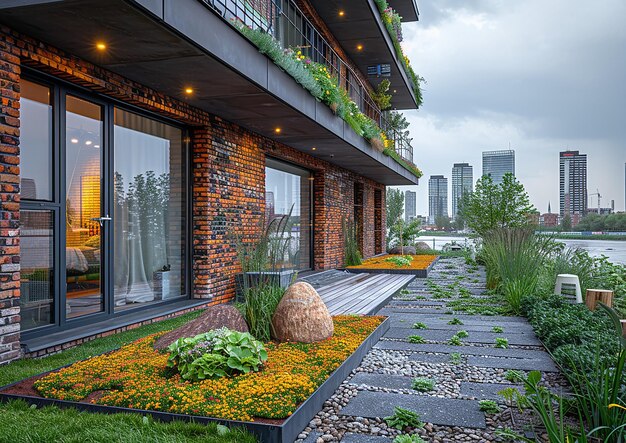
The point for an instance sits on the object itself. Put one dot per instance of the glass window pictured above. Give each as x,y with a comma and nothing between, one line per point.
35,141
37,266
149,220
288,189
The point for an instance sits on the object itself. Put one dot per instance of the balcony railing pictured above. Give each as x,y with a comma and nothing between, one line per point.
284,20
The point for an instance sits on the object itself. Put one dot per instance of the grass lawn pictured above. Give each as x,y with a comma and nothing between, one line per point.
21,423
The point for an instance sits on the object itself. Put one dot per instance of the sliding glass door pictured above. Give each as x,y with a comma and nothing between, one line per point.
103,212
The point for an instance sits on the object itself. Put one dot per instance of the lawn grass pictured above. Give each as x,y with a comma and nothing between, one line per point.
28,367
20,422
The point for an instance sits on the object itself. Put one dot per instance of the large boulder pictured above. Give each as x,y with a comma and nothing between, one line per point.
302,316
215,317
422,246
407,250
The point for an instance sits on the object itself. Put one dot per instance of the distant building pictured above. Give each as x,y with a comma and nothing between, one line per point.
437,197
498,163
549,220
573,183
410,205
462,182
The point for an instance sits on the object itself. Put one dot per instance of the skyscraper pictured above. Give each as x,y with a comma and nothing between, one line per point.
498,163
462,182
410,205
573,183
437,197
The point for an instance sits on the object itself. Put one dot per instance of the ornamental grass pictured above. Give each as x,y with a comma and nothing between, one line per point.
418,262
135,376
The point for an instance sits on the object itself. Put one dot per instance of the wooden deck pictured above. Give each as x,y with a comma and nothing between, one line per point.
348,293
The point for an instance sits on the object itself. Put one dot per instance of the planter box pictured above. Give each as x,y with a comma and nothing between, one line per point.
281,278
421,273
276,432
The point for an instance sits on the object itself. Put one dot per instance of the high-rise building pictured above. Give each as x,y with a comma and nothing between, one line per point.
498,163
462,182
410,203
437,197
573,183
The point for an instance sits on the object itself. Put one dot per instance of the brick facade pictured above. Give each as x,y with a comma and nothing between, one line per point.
227,176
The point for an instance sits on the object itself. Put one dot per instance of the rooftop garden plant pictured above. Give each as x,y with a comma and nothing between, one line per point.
392,262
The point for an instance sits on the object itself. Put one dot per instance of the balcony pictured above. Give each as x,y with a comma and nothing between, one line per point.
169,44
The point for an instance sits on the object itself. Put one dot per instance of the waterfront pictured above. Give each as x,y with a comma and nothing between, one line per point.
615,250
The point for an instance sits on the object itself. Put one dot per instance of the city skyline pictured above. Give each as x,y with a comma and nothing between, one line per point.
488,87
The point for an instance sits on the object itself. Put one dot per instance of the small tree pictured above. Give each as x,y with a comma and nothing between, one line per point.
493,206
443,223
566,223
395,208
403,234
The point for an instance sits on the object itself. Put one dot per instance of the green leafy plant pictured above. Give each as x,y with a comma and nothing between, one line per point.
502,342
455,358
462,334
418,339
455,321
218,353
406,438
423,384
400,261
419,325
489,406
497,329
514,376
403,418
455,340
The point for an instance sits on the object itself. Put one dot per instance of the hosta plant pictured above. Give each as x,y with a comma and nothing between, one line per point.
218,353
403,418
423,384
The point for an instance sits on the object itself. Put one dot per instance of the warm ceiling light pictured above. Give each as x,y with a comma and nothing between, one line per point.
101,46
341,13
74,140
277,130
88,142
314,148
394,91
188,90
359,47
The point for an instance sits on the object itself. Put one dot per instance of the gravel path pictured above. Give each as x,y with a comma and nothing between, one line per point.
463,373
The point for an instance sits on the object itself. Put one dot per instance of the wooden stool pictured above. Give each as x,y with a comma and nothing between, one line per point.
568,279
595,295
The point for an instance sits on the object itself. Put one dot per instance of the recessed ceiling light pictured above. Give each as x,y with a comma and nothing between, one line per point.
96,146
313,148
277,130
88,142
74,140
188,90
359,47
100,46
341,13
394,91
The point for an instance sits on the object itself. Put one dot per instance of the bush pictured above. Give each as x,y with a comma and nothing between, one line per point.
403,418
423,384
218,353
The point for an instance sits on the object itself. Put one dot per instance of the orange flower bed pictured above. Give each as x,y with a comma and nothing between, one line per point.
135,376
418,263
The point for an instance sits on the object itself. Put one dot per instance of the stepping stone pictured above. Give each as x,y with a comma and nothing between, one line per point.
382,380
526,364
430,358
464,350
436,410
392,309
350,437
486,391
312,437
434,325
500,320
474,337
417,302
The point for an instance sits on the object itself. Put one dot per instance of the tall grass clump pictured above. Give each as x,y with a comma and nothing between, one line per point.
260,260
353,256
515,259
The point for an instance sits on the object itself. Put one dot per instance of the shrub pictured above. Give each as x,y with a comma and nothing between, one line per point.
351,245
514,376
419,325
455,340
400,260
406,438
489,406
423,384
218,353
502,343
455,321
462,334
418,339
497,329
455,358
403,418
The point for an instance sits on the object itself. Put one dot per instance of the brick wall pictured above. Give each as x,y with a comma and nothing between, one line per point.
228,175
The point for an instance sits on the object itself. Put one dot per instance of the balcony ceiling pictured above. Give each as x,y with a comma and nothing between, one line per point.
361,25
178,43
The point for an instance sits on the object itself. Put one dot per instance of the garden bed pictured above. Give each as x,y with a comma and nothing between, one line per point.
419,265
275,403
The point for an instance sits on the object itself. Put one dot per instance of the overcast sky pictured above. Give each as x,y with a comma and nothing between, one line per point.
540,75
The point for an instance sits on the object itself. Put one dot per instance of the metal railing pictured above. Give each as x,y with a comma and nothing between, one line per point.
284,20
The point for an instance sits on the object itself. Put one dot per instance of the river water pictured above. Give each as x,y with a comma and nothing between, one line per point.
615,250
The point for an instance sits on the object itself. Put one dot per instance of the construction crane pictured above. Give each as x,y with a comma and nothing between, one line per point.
597,193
